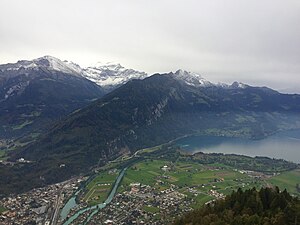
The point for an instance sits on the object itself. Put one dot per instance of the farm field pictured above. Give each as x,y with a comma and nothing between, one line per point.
199,182
166,181
192,179
287,180
98,189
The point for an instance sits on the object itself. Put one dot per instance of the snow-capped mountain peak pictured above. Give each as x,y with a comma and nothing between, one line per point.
192,79
46,62
238,85
107,75
197,80
21,64
56,64
111,74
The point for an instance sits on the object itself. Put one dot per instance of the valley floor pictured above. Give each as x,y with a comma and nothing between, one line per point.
159,184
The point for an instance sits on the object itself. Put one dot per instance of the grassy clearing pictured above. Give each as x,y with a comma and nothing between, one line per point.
144,172
287,180
97,195
200,200
2,209
2,154
22,125
98,189
193,174
151,209
152,149
32,114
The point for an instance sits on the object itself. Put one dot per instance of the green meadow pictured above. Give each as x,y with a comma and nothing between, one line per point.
192,178
287,180
185,174
99,188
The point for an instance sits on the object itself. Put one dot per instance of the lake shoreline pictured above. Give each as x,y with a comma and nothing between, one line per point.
281,145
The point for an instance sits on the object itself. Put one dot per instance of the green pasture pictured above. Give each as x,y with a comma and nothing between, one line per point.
98,189
151,209
287,180
182,174
186,173
2,209
144,172
22,125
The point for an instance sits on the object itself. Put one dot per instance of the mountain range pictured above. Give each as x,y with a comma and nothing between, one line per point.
111,75
147,112
35,93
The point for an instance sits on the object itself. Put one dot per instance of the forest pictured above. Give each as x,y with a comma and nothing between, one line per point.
250,207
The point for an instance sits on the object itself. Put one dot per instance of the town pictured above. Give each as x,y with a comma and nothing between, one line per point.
38,206
148,190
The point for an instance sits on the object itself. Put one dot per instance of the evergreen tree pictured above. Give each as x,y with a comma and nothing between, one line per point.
251,207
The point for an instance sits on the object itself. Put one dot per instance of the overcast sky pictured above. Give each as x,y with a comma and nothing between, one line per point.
252,41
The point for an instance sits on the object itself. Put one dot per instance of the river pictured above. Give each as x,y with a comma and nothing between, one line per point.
283,145
72,203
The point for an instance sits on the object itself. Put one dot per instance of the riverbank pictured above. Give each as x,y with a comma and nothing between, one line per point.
97,207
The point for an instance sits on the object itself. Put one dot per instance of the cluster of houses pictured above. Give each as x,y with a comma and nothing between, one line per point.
36,206
143,204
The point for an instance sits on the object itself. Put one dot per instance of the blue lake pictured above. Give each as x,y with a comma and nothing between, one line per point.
283,145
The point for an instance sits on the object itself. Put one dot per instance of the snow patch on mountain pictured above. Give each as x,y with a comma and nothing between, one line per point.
56,64
107,75
196,80
22,64
192,79
16,89
111,74
46,62
238,85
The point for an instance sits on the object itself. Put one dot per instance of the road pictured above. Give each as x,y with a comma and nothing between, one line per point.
56,209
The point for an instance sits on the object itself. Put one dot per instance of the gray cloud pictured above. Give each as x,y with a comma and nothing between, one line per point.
256,42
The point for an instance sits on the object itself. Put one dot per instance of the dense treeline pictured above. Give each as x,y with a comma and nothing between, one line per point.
251,207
